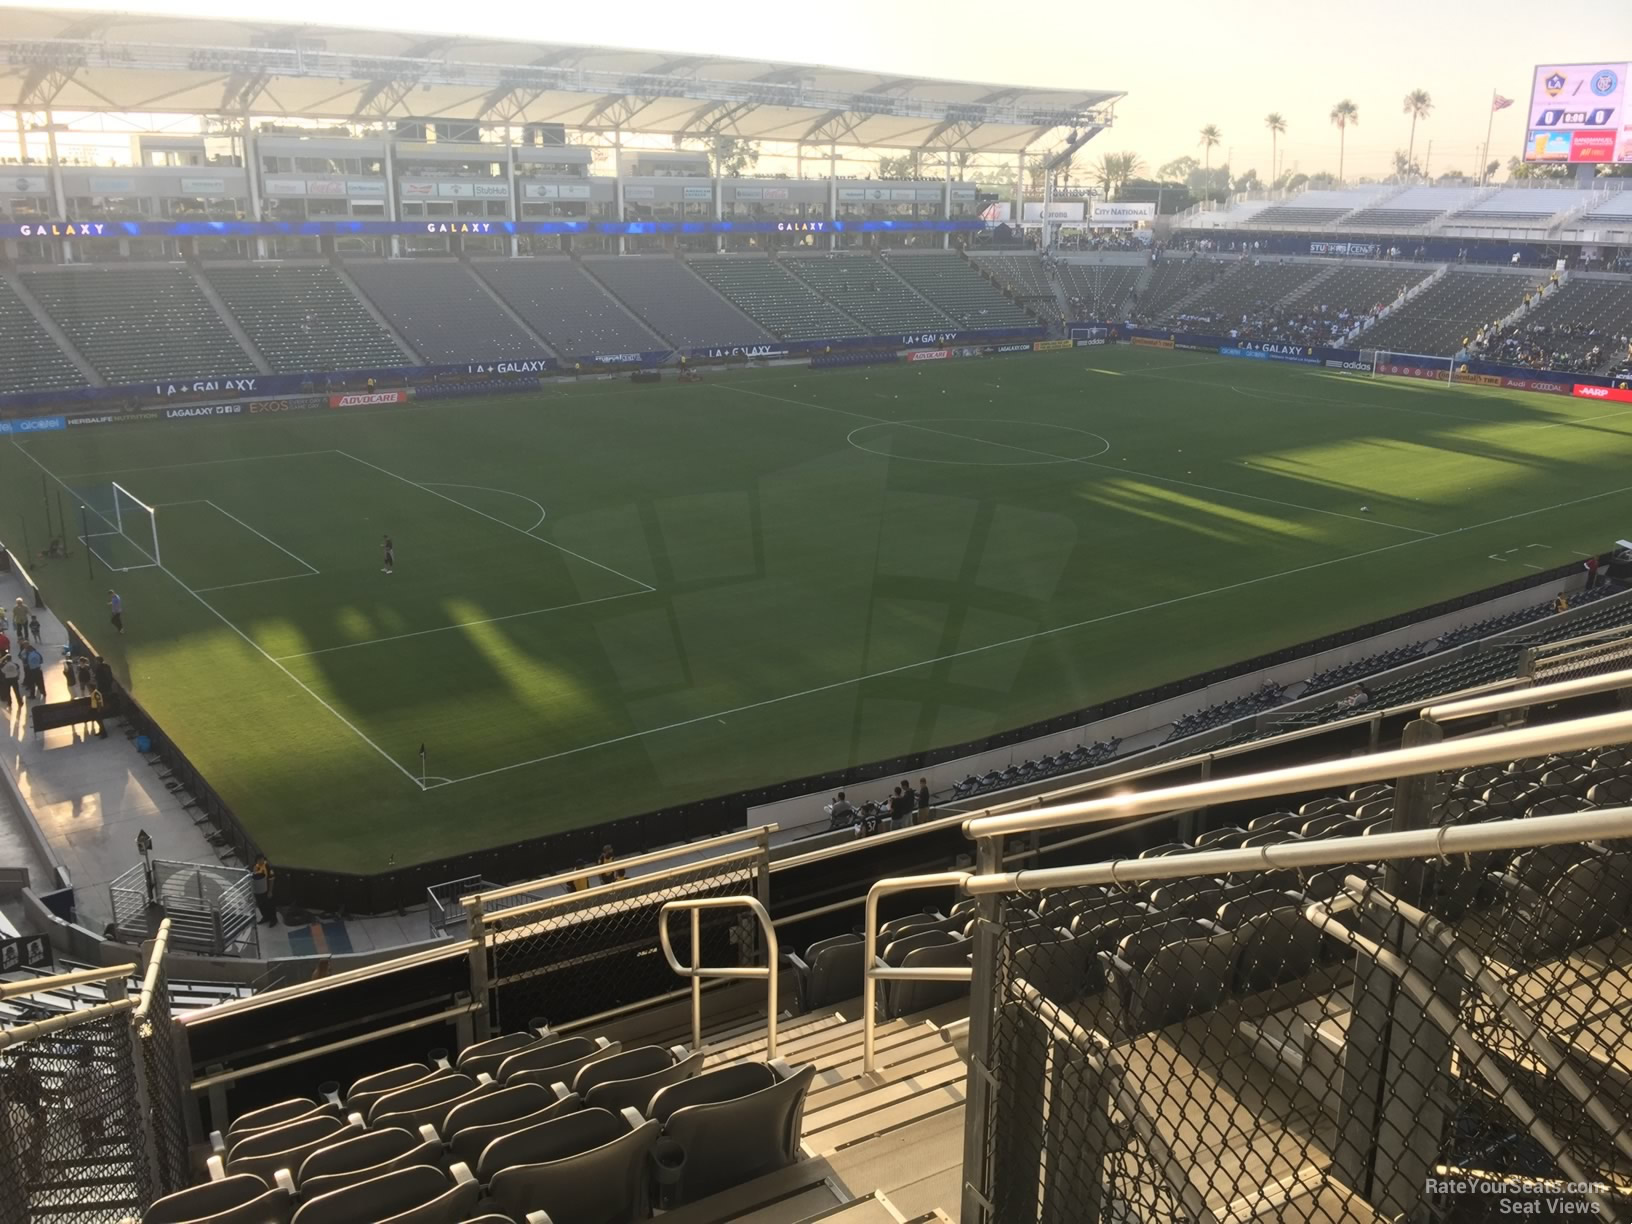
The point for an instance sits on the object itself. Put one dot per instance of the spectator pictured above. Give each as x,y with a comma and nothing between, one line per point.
261,882
87,681
99,707
1591,566
33,628
841,812
70,678
1562,603
10,673
610,877
33,672
923,800
19,620
909,804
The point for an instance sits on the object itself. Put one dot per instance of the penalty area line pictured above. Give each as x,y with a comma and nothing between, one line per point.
493,519
252,643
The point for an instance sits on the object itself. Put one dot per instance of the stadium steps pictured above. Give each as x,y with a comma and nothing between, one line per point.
1174,309
409,354
526,328
589,270
228,319
899,1130
1303,291
50,326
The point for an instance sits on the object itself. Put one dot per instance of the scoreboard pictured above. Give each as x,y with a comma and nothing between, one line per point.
1578,114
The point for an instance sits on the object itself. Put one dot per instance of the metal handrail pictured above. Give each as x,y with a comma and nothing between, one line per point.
632,885
1566,644
876,970
155,965
697,973
21,1033
1439,842
759,833
397,964
232,1075
1493,703
1376,767
1580,652
61,981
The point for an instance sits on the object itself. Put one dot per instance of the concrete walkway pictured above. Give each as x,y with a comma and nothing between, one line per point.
89,797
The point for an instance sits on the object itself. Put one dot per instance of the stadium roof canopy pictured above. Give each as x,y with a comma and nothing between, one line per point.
96,61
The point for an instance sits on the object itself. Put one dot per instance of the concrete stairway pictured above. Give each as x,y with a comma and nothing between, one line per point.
885,1147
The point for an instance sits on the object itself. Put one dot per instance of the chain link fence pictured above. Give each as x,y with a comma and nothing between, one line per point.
593,948
1436,1038
71,1119
1575,659
158,1038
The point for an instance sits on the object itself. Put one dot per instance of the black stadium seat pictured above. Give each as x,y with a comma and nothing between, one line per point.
244,1199
588,1166
728,1127
419,1194
365,1156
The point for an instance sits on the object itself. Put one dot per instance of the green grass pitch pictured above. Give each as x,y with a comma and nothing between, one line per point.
611,598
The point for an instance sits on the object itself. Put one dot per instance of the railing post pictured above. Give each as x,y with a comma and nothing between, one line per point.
480,989
982,1001
117,989
696,979
1415,798
1375,1137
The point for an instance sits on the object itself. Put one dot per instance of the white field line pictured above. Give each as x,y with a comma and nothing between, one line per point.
489,620
1608,416
520,531
263,536
1028,637
230,586
1108,467
542,513
219,615
308,689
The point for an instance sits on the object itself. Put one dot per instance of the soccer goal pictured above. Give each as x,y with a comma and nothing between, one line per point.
1101,334
119,528
1410,365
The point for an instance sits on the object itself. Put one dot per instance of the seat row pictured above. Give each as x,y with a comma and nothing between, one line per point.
570,1127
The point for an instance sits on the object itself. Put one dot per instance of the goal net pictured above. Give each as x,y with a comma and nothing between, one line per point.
120,529
1410,365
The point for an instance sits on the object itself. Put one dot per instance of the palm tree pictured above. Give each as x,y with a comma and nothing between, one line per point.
1418,105
1127,165
1210,137
1277,127
1105,172
1343,115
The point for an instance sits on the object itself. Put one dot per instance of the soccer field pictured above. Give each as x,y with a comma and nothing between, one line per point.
611,598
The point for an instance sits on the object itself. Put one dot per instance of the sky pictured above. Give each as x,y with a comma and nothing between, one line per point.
1182,63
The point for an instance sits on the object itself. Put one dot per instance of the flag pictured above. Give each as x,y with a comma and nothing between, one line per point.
1497,102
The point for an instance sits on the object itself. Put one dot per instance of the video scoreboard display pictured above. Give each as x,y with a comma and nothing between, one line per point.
1578,114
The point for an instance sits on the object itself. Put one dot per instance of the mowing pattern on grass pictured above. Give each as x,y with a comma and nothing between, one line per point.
610,599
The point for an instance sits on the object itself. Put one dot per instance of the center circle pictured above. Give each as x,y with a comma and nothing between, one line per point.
1019,448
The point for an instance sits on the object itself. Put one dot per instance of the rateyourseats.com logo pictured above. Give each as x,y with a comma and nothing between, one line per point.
1525,1198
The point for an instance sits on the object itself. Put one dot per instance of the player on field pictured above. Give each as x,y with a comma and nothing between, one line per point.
390,558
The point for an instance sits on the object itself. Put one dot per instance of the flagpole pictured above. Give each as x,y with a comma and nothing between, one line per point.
1490,119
